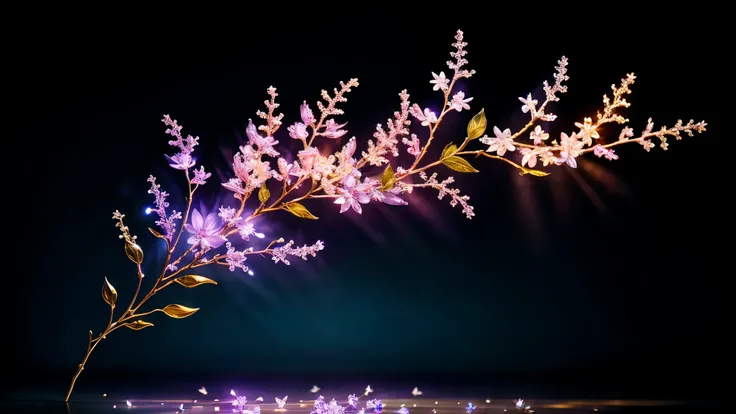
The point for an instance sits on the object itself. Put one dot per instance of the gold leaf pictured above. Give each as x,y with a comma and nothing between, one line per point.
459,164
449,150
299,211
109,293
477,125
536,173
179,311
191,281
155,233
138,325
263,193
387,178
134,252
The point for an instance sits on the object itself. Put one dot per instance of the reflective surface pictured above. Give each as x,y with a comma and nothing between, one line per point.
302,403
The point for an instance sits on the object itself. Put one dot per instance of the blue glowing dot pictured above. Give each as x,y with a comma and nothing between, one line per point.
148,210
250,272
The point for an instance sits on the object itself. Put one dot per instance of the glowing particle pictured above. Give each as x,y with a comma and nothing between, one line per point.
415,392
280,403
488,401
104,395
250,272
436,402
232,392
203,390
259,399
415,405
148,210
217,408
315,389
259,235
128,403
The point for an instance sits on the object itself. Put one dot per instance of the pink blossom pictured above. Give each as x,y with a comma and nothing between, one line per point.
538,135
200,176
351,195
306,114
426,117
235,185
180,161
530,105
308,158
501,143
264,144
205,231
298,131
459,102
413,144
529,157
440,82
286,170
333,129
605,152
348,150
260,171
571,148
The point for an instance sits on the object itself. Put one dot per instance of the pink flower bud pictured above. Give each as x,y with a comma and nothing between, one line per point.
252,132
307,115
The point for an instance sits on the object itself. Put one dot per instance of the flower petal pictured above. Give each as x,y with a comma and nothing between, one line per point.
197,220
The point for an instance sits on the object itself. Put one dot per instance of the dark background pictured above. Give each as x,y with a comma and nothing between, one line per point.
611,274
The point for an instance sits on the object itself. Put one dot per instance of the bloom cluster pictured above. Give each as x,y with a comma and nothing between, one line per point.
588,137
267,177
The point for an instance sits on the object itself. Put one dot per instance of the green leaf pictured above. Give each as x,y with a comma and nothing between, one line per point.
477,125
191,281
387,178
449,150
263,193
459,164
299,211
536,173
179,311
134,252
138,325
109,294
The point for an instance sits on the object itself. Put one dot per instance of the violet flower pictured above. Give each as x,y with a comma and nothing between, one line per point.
351,196
180,161
205,231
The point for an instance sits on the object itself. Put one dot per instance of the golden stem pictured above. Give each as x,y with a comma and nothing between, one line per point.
90,347
432,129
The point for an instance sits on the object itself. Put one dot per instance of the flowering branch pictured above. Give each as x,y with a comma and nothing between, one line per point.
349,181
